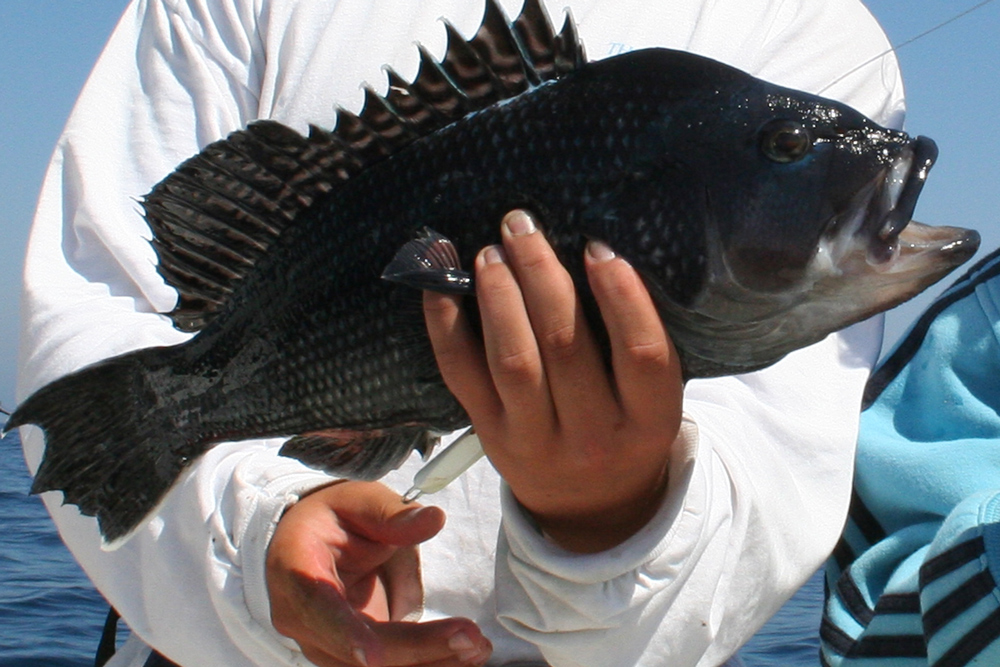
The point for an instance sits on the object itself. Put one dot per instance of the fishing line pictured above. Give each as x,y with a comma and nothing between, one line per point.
906,43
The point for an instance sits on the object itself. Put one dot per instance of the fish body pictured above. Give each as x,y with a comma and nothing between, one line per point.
760,218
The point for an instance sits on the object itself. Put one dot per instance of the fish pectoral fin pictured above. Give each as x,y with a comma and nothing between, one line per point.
363,455
429,262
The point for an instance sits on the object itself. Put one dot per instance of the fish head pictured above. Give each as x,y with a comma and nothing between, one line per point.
805,210
798,176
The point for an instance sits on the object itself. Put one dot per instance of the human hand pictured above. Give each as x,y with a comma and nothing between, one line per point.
343,570
584,452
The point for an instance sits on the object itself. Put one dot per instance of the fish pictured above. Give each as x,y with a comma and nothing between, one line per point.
760,219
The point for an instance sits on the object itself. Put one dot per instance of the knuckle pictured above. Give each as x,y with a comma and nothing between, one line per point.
516,366
536,260
650,354
560,342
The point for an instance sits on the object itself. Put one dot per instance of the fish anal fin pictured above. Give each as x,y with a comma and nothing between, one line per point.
379,115
365,455
409,106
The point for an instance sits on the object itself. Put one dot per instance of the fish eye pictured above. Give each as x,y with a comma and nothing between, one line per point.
785,141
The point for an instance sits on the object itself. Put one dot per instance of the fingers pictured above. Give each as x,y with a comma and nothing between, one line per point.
342,565
453,639
646,366
452,642
460,357
377,513
538,366
537,333
404,588
318,616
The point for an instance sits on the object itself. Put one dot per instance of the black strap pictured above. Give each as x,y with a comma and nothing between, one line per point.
108,644
157,660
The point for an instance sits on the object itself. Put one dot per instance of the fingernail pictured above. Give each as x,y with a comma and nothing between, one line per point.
600,251
407,517
359,655
460,642
519,223
493,255
466,651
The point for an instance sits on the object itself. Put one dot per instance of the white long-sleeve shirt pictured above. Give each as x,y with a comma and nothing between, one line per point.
759,481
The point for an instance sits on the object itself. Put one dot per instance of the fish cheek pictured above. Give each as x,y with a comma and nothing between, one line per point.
771,230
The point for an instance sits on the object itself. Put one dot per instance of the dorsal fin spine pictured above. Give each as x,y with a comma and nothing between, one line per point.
498,44
569,51
435,87
468,72
416,112
536,38
379,114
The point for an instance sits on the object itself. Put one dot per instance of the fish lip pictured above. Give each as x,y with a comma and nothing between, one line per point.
897,194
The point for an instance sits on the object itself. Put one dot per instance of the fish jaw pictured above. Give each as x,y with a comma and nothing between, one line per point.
870,259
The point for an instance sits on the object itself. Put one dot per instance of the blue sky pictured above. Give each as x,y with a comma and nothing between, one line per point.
952,78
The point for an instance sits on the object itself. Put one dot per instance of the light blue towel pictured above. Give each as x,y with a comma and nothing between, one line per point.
913,581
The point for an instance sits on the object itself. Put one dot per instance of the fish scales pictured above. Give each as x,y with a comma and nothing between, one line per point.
459,184
760,219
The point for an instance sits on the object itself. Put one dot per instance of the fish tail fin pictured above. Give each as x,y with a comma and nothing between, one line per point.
108,448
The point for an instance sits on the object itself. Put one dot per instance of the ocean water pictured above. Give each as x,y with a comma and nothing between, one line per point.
50,615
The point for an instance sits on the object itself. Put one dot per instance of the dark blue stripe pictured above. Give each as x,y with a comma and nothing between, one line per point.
959,600
866,522
835,639
969,646
951,560
875,646
854,601
898,603
843,554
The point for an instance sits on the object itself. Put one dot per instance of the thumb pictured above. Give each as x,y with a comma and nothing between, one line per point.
377,513
400,526
415,524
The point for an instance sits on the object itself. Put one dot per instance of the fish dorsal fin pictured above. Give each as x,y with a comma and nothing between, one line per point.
219,211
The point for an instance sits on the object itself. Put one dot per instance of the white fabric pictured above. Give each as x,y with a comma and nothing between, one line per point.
759,484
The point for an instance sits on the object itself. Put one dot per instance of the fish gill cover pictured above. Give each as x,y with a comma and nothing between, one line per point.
760,218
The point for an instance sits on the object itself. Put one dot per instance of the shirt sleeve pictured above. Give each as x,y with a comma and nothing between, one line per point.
760,478
91,291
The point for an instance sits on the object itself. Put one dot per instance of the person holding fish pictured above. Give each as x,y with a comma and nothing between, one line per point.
665,465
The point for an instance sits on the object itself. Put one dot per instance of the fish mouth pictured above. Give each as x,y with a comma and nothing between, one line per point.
879,235
897,198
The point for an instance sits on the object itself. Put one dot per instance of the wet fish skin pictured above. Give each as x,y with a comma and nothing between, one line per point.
689,169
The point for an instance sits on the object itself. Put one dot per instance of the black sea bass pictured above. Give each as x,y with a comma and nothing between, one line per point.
761,219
